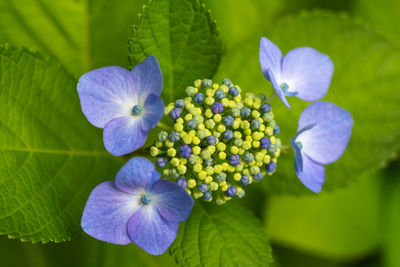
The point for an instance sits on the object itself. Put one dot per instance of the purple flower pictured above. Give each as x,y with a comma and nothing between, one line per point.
234,160
125,103
303,72
322,136
137,207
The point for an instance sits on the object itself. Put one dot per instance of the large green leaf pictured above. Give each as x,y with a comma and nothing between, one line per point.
81,252
183,37
365,82
390,220
82,34
51,156
340,225
383,15
227,235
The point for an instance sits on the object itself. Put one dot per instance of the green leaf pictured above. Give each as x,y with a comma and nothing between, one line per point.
383,15
227,235
183,37
343,225
391,218
51,156
81,34
81,252
367,72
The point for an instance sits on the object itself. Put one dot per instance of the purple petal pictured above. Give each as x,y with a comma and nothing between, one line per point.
107,213
150,231
124,135
106,93
173,202
307,72
312,174
327,140
277,89
137,173
153,111
270,58
148,77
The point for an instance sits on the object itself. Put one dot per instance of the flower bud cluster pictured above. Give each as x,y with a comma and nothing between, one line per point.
221,142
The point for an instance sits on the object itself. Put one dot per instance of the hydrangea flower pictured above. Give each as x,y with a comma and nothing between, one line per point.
125,103
303,72
137,207
225,142
323,133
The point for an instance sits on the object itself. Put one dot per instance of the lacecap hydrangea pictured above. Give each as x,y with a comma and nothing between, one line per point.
220,142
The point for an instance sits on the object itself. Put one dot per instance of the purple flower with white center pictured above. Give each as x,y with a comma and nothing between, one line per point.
234,160
323,133
126,104
137,207
185,151
217,108
303,72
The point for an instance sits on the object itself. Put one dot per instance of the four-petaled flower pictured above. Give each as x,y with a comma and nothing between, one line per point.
323,133
303,72
137,207
125,103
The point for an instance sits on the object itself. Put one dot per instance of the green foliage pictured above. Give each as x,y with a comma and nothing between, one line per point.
227,235
367,71
383,15
341,225
183,36
391,217
51,156
81,252
81,34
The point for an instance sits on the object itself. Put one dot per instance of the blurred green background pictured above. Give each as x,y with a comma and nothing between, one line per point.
357,225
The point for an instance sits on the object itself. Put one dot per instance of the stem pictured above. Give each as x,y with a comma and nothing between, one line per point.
285,148
164,126
271,97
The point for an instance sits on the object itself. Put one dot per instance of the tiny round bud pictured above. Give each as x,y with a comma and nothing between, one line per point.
180,103
248,157
217,108
258,176
198,98
174,136
234,160
255,124
171,152
222,155
270,167
232,191
235,112
265,143
190,90
262,97
227,82
233,91
203,187
192,124
182,183
185,151
211,140
219,94
162,136
267,117
228,121
175,113
245,112
206,83
237,177
210,124
161,162
266,107
191,183
245,180
276,129
207,196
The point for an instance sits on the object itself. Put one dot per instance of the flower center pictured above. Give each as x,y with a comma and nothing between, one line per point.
145,200
136,110
299,145
284,87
